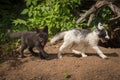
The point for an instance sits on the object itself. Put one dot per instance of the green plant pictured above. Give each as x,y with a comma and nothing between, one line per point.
59,15
54,13
9,10
67,75
104,15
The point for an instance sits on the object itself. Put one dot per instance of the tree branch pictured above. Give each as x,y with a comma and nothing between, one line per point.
116,11
90,19
95,9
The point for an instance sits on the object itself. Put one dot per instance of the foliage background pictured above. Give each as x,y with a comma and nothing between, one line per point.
59,15
54,13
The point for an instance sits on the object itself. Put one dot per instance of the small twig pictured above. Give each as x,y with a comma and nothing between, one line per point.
90,19
115,18
116,29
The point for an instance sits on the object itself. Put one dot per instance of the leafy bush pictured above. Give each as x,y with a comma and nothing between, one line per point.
59,15
54,13
9,10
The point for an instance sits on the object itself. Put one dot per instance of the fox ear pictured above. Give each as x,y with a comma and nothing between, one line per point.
100,26
37,30
45,29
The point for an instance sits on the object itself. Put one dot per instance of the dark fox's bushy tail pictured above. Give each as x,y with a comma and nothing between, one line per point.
58,37
14,35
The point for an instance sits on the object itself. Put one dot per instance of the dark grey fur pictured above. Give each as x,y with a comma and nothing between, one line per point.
30,39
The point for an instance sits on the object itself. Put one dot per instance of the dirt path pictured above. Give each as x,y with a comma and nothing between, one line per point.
70,67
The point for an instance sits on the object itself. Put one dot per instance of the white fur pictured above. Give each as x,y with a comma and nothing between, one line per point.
100,26
56,38
69,37
107,37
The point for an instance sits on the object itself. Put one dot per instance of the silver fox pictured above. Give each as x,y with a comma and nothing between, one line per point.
31,39
88,37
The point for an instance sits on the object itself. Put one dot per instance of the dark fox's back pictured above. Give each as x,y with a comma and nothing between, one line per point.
33,38
29,35
30,39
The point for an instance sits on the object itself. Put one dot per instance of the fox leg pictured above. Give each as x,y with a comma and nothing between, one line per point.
32,52
84,50
73,49
79,52
99,52
64,45
23,47
42,53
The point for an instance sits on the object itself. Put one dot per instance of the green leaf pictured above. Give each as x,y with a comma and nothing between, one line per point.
25,11
34,2
67,75
19,21
28,2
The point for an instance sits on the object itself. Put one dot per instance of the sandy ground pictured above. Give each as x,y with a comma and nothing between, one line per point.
70,67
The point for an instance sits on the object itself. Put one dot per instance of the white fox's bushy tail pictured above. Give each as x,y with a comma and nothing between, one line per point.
58,37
